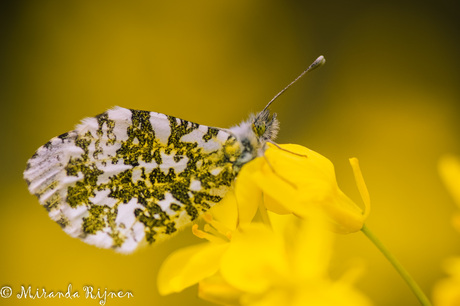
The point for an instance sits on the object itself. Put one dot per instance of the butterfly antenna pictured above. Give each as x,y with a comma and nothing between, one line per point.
317,63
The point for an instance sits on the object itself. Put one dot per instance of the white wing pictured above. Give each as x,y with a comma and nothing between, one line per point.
126,177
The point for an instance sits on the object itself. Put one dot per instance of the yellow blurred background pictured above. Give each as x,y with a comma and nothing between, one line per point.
389,95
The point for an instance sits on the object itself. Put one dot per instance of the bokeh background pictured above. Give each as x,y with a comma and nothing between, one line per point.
389,95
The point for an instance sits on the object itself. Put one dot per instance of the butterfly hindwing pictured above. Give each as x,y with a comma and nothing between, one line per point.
127,176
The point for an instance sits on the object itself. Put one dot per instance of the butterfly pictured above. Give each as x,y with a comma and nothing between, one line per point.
127,177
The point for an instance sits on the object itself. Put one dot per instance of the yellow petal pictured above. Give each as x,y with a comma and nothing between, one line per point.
313,247
226,212
216,290
188,266
274,297
297,179
248,194
449,169
279,191
330,293
345,216
255,260
274,206
362,188
447,291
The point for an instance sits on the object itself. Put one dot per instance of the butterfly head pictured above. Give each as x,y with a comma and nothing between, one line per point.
253,134
265,126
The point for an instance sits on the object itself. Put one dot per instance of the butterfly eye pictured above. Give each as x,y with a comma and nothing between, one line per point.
259,129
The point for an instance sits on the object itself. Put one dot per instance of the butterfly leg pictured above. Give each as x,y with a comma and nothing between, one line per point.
276,145
276,173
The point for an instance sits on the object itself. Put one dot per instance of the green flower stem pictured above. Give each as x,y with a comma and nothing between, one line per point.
404,274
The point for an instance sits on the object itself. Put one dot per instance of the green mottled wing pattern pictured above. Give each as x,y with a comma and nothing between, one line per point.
129,177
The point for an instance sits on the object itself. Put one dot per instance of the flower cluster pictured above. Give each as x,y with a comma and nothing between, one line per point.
282,260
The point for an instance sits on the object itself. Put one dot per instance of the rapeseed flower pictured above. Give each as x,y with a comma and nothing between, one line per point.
285,266
286,263
188,266
449,170
257,265
294,179
447,291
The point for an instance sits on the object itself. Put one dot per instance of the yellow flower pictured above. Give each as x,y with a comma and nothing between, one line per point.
294,179
447,291
285,266
246,263
255,265
449,170
188,266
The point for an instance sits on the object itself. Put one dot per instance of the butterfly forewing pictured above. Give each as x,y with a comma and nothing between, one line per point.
126,177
